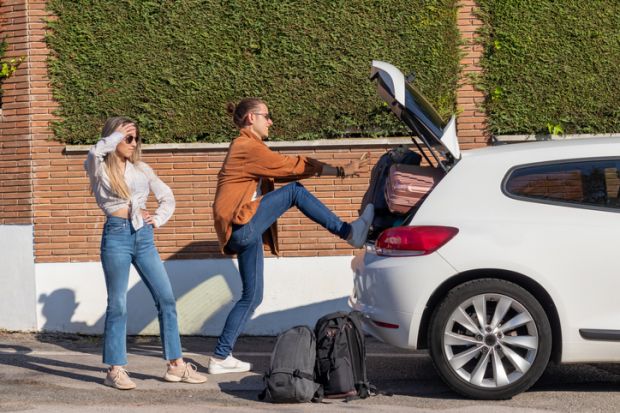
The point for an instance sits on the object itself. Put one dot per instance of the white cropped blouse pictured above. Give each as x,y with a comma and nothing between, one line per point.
140,179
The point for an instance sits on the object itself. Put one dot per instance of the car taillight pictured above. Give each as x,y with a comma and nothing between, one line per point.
408,241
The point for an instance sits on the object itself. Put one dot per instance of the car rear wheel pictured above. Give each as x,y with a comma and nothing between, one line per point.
490,339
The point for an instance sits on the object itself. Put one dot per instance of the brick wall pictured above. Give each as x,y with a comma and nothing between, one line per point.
471,124
15,137
69,223
43,183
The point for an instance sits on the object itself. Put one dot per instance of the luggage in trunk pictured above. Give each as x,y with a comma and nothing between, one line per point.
375,193
408,185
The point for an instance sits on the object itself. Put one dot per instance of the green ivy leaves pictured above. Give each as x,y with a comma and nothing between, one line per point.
173,65
551,66
7,68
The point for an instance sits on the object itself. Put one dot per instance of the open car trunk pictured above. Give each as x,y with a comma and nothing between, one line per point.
433,138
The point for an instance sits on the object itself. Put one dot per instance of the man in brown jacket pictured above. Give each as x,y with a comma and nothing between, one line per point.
246,208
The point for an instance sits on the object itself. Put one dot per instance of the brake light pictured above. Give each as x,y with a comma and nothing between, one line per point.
411,241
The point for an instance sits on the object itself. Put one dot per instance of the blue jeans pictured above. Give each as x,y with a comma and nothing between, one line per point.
246,241
121,246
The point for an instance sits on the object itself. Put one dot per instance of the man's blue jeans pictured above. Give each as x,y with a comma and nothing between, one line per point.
246,241
122,246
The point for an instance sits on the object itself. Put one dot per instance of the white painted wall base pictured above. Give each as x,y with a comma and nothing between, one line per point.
71,297
17,292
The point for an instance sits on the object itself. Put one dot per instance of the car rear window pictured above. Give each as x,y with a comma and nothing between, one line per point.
417,104
593,183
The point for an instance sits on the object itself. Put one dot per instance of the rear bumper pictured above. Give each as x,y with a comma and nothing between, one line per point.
392,293
398,337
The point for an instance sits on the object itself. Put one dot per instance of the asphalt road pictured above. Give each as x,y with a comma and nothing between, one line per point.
63,373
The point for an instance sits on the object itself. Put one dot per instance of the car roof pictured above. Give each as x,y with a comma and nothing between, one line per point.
550,150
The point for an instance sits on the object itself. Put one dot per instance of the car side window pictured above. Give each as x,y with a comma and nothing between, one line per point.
594,183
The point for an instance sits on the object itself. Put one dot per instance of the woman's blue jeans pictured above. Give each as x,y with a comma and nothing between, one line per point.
121,246
247,241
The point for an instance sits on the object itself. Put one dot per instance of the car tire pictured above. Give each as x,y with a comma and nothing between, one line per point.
490,339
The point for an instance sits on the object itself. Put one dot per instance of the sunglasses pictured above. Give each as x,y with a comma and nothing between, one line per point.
267,115
129,139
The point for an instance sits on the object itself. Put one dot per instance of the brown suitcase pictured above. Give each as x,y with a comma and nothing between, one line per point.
407,185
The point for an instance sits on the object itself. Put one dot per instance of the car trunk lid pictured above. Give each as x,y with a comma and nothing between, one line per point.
414,110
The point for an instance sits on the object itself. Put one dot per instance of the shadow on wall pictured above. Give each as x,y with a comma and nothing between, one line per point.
205,293
58,310
277,321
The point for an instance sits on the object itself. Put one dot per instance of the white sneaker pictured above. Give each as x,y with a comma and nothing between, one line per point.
360,227
228,365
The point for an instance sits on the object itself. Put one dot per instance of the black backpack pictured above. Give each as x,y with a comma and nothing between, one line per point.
290,378
341,356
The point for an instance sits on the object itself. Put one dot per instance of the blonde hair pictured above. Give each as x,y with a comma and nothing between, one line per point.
113,162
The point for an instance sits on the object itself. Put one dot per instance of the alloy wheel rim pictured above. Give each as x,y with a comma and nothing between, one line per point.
490,340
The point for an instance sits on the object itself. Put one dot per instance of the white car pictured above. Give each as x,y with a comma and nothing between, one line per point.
508,263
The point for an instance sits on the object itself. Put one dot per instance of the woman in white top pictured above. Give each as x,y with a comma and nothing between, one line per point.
121,184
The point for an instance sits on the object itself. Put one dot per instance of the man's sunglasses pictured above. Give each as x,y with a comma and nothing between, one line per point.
129,139
267,115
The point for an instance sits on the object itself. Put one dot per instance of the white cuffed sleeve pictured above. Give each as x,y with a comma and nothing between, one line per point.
98,151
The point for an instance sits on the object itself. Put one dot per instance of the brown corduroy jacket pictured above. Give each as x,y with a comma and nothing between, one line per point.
248,160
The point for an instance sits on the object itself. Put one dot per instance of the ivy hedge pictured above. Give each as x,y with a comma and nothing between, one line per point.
173,65
551,65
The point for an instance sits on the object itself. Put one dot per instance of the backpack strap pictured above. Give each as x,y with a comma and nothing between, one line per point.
365,389
341,323
262,395
295,373
319,395
355,317
303,375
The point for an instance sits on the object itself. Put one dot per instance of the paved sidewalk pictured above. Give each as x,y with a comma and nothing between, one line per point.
74,361
64,373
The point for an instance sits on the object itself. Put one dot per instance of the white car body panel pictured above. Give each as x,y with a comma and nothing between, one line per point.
450,140
392,301
569,251
397,78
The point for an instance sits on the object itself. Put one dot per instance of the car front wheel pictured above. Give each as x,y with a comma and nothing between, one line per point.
490,339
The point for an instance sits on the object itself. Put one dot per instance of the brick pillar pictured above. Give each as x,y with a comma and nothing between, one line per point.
51,177
15,141
471,122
